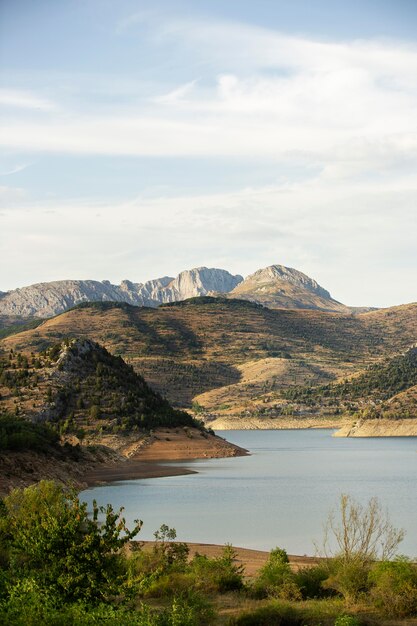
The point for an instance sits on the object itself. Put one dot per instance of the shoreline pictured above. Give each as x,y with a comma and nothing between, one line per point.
251,558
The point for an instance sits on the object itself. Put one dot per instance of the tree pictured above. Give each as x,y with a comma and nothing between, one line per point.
361,532
354,539
49,535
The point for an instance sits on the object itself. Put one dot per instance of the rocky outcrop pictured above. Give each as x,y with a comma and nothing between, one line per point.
381,427
48,299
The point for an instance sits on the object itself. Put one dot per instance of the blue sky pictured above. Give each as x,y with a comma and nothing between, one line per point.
139,139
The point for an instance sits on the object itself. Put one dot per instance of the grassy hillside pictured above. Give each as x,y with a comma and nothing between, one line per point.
242,349
385,389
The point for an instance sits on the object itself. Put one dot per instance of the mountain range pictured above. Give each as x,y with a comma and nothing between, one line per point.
276,286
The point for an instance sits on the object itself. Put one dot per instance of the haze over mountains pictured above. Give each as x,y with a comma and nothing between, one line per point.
276,286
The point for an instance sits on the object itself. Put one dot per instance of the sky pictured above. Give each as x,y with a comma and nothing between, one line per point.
139,139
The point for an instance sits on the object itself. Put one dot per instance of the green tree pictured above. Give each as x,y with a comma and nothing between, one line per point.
48,533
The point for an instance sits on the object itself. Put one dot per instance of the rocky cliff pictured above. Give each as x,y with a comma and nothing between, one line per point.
48,299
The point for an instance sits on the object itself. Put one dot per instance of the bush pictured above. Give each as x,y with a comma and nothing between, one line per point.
310,581
394,587
347,577
219,574
275,578
50,538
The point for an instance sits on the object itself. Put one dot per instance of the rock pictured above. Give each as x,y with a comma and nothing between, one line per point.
48,299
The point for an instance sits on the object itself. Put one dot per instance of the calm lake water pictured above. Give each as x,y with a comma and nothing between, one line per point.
280,495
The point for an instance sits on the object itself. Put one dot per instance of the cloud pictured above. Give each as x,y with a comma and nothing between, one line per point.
25,100
346,107
15,169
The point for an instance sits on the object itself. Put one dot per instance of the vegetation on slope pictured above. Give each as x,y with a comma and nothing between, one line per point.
80,387
376,385
19,434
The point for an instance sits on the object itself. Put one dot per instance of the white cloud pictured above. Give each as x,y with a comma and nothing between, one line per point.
345,112
273,96
25,100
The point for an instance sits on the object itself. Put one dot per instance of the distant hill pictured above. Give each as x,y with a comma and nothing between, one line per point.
275,287
376,391
241,350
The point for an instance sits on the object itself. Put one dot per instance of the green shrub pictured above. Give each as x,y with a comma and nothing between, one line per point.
348,577
275,578
394,587
220,574
189,609
310,581
49,537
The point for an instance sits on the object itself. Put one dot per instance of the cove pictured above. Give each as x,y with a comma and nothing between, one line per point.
280,495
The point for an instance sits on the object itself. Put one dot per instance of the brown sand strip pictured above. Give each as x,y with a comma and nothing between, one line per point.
252,560
129,470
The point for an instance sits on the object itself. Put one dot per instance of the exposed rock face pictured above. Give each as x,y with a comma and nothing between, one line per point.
277,286
48,299
290,275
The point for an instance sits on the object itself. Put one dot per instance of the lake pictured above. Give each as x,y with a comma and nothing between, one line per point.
278,496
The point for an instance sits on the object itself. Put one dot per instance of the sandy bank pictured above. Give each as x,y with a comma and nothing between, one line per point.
279,423
178,444
379,428
118,458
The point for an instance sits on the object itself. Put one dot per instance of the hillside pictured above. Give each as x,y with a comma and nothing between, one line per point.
82,389
384,389
230,356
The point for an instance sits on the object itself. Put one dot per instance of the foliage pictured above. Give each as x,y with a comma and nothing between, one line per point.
275,578
355,538
220,574
19,434
310,581
49,536
380,382
394,587
359,532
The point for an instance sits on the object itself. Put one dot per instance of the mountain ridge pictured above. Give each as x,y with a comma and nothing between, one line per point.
275,286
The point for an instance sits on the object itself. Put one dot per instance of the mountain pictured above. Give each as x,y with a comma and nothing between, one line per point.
277,286
48,299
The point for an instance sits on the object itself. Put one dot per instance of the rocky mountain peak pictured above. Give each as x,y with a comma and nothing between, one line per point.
290,275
